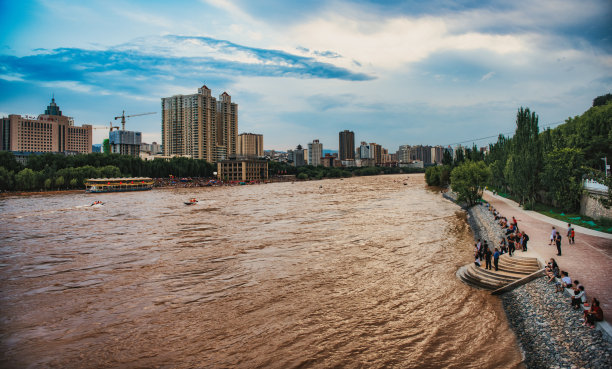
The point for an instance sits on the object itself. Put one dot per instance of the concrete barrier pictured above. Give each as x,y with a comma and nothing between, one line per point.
520,282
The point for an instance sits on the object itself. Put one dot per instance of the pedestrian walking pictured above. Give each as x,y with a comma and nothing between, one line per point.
572,233
558,242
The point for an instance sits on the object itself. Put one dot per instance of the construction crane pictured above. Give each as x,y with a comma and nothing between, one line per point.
123,116
110,127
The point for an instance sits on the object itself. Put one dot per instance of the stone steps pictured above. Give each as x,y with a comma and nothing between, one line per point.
511,269
518,265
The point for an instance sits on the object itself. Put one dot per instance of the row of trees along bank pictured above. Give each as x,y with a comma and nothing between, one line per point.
308,172
51,171
533,166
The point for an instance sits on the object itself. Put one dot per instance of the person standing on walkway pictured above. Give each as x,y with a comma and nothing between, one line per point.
525,239
571,237
569,229
488,255
553,235
496,259
558,242
511,246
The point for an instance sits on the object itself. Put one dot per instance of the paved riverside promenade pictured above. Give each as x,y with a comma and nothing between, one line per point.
589,260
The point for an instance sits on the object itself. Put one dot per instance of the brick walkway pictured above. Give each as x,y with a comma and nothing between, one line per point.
589,260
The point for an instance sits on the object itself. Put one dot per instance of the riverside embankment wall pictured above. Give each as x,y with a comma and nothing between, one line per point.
548,330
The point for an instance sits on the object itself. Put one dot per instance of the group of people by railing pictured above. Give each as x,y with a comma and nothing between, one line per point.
592,311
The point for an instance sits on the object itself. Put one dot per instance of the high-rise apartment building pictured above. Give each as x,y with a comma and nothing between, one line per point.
403,154
386,158
49,132
437,154
346,148
376,153
199,125
250,145
421,153
364,151
315,153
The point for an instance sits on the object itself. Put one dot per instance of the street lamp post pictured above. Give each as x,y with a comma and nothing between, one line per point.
605,165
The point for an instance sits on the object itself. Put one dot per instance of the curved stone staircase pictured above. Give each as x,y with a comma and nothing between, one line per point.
511,269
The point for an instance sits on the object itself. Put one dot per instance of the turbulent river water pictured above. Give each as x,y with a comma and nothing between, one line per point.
336,273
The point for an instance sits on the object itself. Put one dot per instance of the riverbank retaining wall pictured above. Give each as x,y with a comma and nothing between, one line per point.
591,207
548,330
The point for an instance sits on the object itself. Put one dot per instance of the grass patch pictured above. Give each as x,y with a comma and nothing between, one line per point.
602,225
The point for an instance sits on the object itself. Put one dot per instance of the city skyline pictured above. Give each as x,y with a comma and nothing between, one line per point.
401,73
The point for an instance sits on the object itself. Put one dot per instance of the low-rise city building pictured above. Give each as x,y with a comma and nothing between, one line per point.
297,157
242,170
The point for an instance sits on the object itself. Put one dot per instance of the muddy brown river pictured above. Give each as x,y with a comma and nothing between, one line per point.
349,273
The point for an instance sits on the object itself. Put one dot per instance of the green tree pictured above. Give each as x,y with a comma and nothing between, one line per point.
25,179
475,154
447,158
48,183
468,181
106,146
59,182
525,160
459,156
109,171
302,176
432,176
8,161
602,100
562,176
74,183
7,179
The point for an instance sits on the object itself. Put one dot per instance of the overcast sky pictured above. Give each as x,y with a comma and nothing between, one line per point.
406,72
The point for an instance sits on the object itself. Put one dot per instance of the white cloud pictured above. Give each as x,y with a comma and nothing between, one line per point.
242,24
12,77
392,43
487,76
524,16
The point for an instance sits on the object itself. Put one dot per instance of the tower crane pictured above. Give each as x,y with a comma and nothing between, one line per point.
123,116
110,127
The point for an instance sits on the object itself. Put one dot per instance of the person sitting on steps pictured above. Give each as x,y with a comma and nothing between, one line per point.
566,281
594,314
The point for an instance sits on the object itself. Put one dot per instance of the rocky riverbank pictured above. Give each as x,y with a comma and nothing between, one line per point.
484,226
548,330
